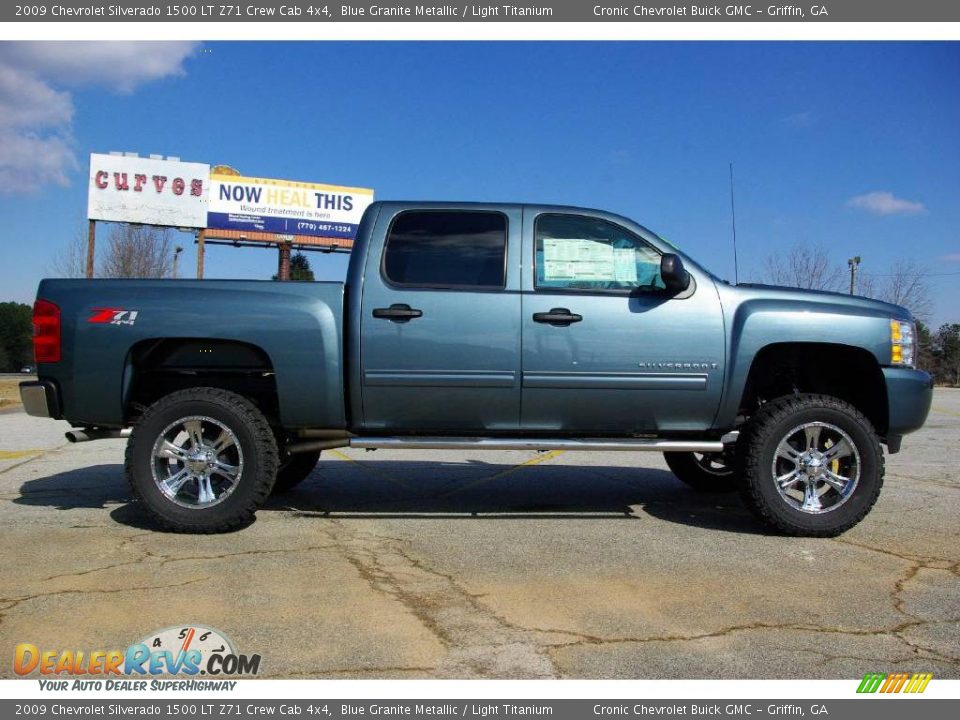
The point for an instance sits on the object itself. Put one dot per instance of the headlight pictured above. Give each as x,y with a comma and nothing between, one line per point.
902,343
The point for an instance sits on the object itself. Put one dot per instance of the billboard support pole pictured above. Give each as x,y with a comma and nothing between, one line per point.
201,236
91,246
283,270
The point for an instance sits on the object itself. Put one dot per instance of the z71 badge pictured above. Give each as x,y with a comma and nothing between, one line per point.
113,316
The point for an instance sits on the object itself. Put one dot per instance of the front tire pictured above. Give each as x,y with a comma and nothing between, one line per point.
811,465
201,460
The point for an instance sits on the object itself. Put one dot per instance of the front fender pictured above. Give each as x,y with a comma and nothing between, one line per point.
757,324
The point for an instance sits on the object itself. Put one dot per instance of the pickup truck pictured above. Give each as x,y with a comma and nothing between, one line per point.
484,326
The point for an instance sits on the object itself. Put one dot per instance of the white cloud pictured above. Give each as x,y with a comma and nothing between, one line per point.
34,133
952,257
118,66
29,161
26,101
886,203
36,114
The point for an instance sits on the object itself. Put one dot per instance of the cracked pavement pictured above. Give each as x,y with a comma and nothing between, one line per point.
405,564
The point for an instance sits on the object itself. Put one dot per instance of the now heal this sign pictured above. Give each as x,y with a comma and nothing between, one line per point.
285,206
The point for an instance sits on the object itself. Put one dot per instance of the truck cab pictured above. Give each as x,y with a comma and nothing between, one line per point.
503,319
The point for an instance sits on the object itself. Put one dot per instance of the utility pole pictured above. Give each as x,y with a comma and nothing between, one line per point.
854,263
91,244
283,266
201,236
176,260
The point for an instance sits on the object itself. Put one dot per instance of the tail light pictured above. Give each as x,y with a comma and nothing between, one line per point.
46,332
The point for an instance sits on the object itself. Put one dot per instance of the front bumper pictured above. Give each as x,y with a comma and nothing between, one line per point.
40,399
909,394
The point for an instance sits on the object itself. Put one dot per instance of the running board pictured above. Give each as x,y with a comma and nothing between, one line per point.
468,443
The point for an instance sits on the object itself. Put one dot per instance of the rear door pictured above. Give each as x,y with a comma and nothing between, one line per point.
606,350
440,327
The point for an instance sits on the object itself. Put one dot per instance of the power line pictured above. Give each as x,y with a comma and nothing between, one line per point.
946,274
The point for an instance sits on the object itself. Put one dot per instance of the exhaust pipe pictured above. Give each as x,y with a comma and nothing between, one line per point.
93,433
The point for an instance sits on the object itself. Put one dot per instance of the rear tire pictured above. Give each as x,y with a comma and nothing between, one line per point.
704,472
294,470
201,460
812,465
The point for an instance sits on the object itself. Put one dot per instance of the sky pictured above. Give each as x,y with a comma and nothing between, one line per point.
854,147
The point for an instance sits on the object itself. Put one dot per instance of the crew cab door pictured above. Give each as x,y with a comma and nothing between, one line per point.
606,349
440,322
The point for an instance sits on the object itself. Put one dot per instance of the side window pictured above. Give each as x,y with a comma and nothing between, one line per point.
447,249
575,252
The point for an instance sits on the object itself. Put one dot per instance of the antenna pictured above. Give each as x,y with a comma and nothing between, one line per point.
733,220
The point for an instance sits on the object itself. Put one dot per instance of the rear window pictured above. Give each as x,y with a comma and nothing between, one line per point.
447,249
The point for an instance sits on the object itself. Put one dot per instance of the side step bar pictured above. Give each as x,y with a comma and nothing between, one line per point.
467,443
452,443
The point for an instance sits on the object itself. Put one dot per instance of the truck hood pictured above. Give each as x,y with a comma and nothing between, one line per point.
854,304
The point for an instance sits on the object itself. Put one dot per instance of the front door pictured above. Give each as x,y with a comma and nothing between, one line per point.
440,335
606,349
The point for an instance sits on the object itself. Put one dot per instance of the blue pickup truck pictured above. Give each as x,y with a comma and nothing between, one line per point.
484,326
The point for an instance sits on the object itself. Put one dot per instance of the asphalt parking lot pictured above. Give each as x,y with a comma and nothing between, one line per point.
509,565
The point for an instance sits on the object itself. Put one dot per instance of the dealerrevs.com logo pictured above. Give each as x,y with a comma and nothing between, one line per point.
182,651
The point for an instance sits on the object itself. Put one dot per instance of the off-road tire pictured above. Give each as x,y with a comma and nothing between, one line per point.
758,443
256,440
294,469
689,469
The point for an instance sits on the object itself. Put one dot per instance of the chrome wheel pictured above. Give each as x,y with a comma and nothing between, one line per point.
713,463
197,462
816,467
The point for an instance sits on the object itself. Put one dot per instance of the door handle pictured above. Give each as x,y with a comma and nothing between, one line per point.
558,317
397,313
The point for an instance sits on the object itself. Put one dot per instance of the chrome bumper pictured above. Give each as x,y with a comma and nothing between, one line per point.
40,399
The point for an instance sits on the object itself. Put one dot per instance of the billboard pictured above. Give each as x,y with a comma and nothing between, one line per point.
285,206
148,191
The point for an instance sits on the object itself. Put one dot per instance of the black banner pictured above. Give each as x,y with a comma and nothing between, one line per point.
519,11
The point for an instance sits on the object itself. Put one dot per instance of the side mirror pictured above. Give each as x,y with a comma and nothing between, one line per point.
675,277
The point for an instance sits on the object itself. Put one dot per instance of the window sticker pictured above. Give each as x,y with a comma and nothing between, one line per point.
625,265
578,259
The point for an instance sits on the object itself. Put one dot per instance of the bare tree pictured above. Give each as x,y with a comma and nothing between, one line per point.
71,261
907,285
137,251
811,267
804,266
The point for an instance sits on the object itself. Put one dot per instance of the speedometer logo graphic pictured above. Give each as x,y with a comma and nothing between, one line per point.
181,639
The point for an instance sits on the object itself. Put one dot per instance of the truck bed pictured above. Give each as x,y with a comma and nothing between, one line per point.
104,323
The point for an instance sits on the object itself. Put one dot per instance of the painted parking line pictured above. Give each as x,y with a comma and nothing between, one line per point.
543,457
536,460
15,454
372,471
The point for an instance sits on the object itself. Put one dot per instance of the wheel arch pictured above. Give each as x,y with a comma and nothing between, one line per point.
159,366
847,372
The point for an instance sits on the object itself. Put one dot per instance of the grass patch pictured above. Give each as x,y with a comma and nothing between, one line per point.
10,391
